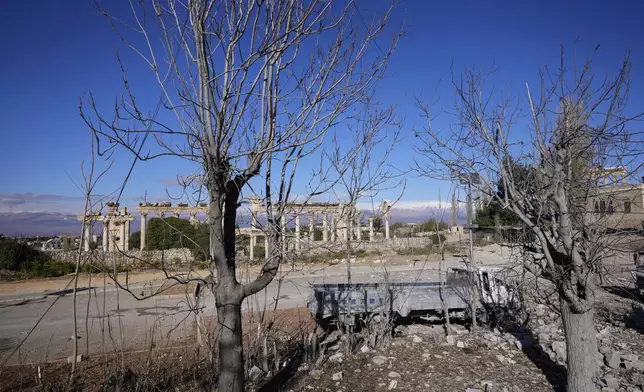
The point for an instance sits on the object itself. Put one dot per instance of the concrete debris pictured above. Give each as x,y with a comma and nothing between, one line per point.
473,390
612,359
365,349
316,373
255,373
79,358
460,344
611,382
421,329
417,339
631,357
451,340
604,333
394,375
337,376
379,360
332,338
559,349
337,357
488,385
393,384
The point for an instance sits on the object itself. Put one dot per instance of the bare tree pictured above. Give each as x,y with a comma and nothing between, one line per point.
360,159
548,173
253,87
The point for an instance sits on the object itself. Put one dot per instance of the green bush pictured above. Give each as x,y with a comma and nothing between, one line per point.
135,240
47,269
15,255
259,251
30,263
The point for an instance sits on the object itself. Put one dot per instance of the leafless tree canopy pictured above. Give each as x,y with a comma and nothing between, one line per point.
548,168
247,89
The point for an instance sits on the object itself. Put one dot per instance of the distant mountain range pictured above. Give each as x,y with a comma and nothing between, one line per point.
46,224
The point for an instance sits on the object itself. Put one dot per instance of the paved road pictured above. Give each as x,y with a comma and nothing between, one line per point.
165,320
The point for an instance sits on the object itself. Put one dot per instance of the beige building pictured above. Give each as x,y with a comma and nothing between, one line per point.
618,206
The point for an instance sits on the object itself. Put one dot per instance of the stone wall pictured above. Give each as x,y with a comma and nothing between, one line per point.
132,257
183,255
379,245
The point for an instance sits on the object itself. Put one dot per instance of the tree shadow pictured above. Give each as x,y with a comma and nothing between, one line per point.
625,292
60,293
288,374
634,318
554,372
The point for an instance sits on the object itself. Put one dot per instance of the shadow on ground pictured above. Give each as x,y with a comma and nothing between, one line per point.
632,318
66,291
515,324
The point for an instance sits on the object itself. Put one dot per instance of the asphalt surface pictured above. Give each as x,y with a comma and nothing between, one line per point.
38,327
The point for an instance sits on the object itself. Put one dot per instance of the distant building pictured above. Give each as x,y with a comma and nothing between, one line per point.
618,207
52,244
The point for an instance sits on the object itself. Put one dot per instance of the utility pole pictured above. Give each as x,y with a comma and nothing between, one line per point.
454,208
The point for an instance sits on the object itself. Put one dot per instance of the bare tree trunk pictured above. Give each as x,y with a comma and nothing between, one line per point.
231,352
581,348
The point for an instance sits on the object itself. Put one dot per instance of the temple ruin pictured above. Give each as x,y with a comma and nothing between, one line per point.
338,222
116,228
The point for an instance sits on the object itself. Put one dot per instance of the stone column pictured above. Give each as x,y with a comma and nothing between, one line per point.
387,225
265,246
312,228
144,232
87,236
105,235
334,223
346,231
325,228
370,229
297,232
283,229
251,251
126,238
122,236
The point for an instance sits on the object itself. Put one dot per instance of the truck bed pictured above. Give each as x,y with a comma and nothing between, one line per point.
329,300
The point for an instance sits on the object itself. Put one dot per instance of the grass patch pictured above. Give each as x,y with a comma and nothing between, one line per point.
46,269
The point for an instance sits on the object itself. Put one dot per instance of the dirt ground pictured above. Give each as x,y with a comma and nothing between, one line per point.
55,284
426,366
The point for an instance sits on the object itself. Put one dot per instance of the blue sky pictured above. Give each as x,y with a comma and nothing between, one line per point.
55,52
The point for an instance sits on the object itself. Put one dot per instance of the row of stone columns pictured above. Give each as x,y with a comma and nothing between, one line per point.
326,228
333,229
